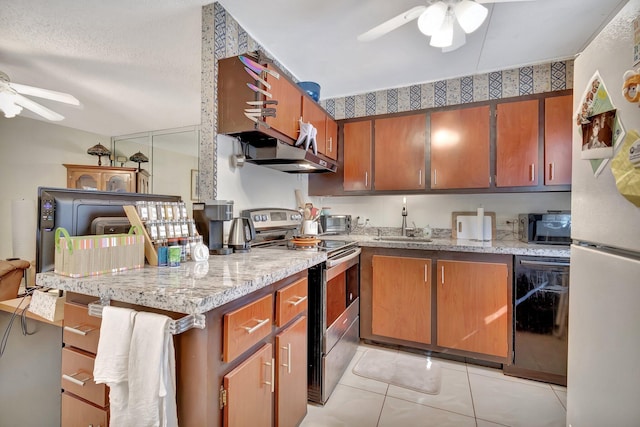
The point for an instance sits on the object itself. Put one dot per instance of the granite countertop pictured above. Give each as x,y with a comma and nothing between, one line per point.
194,287
507,247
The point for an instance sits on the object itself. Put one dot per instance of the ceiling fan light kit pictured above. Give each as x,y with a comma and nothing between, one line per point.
445,21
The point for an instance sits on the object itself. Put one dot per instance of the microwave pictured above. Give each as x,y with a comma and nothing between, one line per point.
551,228
339,224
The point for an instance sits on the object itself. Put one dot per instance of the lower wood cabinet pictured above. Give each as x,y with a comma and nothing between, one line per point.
442,301
250,389
291,374
76,412
401,300
473,306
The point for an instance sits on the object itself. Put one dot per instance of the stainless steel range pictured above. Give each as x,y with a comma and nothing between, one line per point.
334,303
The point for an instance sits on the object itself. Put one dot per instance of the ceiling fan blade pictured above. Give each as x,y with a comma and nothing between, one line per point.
45,93
37,108
392,24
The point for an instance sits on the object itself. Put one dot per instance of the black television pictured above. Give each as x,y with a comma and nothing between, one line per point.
76,210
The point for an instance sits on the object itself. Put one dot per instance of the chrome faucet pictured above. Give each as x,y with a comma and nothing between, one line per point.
404,220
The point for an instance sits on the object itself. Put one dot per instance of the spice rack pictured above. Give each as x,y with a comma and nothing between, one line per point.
150,252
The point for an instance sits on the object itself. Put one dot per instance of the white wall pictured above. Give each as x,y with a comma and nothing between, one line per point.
31,155
435,209
253,186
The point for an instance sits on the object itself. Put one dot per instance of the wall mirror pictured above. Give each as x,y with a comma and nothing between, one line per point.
173,159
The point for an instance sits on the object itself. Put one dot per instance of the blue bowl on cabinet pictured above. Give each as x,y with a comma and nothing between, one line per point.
312,89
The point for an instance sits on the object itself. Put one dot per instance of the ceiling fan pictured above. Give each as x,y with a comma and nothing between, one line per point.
12,100
446,21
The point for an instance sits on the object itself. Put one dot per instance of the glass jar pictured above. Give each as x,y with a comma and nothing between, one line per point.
152,229
183,210
191,224
152,211
160,210
168,211
143,212
162,230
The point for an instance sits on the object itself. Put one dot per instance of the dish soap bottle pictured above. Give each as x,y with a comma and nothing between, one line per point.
427,232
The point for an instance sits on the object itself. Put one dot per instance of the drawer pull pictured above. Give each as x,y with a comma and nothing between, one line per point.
71,378
299,300
76,329
260,324
288,364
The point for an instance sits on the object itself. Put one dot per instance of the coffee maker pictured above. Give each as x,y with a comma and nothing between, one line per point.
210,217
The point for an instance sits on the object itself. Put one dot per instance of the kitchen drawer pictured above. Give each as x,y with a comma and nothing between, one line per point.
246,326
76,412
80,330
291,301
77,377
336,330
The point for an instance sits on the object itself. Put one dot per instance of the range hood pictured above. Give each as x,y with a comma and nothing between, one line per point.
279,155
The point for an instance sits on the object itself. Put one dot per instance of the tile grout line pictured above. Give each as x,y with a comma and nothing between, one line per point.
382,407
473,405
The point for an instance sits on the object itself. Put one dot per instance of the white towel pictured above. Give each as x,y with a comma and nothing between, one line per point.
112,359
152,373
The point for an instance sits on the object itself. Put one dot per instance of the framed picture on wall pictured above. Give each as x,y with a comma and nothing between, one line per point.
194,185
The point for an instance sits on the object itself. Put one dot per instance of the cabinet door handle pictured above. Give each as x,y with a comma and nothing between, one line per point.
420,177
331,144
272,382
298,300
76,329
435,177
72,378
442,275
551,171
532,168
288,364
425,273
366,179
260,324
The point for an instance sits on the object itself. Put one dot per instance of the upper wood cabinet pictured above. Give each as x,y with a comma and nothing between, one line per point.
289,108
517,143
400,143
327,137
460,148
473,306
331,148
234,93
401,298
557,139
101,178
357,155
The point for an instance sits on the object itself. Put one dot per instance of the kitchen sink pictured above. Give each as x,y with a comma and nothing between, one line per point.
402,239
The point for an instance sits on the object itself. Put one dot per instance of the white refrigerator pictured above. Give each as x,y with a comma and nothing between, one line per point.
603,378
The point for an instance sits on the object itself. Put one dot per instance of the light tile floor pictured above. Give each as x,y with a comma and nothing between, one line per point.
470,395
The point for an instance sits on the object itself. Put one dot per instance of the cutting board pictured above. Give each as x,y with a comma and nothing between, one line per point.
464,225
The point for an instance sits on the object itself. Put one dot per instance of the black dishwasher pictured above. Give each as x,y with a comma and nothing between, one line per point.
540,316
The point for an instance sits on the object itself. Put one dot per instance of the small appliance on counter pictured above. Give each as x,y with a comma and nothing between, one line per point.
241,234
210,217
550,228
335,224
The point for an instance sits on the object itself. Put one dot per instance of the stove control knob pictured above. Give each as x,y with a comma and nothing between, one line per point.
256,218
263,217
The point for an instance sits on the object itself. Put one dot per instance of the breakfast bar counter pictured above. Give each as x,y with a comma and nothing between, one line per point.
193,287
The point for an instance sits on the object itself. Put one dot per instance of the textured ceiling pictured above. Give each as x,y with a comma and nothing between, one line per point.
135,64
